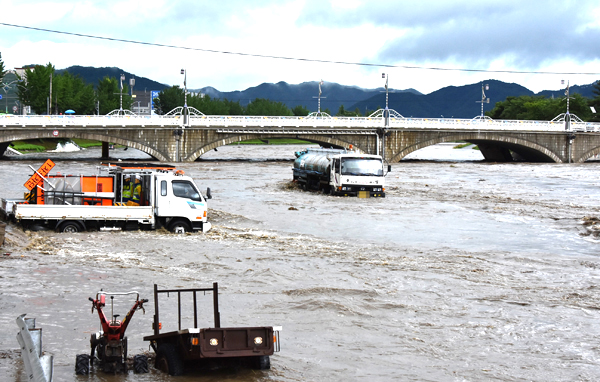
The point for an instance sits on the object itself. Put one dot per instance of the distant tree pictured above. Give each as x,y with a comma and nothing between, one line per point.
109,95
300,111
2,69
168,99
261,106
234,107
207,105
342,112
579,105
71,92
595,102
539,108
34,90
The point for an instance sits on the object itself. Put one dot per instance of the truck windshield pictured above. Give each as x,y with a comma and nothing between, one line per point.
184,189
362,166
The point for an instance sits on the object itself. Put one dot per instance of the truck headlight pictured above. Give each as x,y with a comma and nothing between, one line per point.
258,340
213,342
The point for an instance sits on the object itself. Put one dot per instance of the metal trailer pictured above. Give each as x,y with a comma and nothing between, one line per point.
340,172
216,346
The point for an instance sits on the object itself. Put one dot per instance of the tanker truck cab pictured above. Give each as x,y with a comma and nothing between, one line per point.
340,172
358,175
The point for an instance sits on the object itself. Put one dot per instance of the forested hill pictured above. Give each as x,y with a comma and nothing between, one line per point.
451,101
305,94
459,101
92,75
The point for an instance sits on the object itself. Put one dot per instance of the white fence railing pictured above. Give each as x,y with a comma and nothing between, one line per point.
131,121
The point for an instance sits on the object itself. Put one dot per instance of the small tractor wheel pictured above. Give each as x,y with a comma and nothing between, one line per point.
125,349
82,364
179,226
140,364
168,360
262,362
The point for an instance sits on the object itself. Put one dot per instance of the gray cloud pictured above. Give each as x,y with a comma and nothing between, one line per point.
529,33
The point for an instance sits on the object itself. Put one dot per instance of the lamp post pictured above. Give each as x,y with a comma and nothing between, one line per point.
386,116
185,105
484,98
121,95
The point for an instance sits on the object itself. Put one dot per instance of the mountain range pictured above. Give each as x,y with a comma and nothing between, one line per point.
450,101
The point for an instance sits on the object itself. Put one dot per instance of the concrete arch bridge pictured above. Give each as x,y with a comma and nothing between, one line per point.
174,139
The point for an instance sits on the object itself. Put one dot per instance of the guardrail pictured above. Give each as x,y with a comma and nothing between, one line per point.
211,121
38,366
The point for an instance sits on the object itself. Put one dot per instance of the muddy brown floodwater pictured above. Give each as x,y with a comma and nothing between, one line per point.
466,271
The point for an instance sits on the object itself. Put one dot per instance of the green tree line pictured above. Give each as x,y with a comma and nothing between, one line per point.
44,90
540,108
71,92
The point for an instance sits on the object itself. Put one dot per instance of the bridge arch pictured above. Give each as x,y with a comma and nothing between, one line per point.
587,155
522,147
330,141
45,134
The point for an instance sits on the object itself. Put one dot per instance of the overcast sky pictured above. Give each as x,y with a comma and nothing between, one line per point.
388,36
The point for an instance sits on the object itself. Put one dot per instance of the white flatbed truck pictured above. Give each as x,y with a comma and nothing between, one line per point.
66,203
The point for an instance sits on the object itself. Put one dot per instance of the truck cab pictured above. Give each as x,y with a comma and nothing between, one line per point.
179,204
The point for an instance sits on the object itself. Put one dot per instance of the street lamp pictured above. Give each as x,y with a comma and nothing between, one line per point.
121,95
386,113
484,98
185,105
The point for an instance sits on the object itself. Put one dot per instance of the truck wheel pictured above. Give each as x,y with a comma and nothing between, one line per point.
70,227
179,226
262,362
82,364
140,364
168,360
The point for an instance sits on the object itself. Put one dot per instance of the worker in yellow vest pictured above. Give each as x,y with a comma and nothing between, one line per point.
136,195
127,189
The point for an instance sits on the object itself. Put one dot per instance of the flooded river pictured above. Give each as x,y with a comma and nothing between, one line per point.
466,271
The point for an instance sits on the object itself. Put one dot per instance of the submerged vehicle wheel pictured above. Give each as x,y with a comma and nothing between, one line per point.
70,227
82,364
168,361
262,362
179,226
140,364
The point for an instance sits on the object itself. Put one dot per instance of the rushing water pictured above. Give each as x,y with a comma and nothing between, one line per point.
466,271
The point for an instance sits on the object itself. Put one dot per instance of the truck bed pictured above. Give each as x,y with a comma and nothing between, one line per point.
83,212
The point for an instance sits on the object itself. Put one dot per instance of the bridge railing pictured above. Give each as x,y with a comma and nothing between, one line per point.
226,121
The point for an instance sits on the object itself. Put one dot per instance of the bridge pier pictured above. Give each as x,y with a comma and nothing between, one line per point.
105,150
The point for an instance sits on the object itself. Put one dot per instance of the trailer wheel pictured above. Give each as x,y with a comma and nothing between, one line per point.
82,364
70,227
262,362
179,226
168,360
140,364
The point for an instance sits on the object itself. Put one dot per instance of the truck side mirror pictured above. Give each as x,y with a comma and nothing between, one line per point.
389,167
208,194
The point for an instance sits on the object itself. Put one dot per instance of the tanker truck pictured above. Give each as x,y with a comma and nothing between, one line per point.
340,172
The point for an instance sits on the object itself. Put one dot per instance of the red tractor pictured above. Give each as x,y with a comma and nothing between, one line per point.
109,346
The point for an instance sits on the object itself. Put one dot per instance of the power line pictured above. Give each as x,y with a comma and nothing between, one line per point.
294,58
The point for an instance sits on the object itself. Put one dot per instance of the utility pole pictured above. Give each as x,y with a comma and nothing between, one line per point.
50,99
